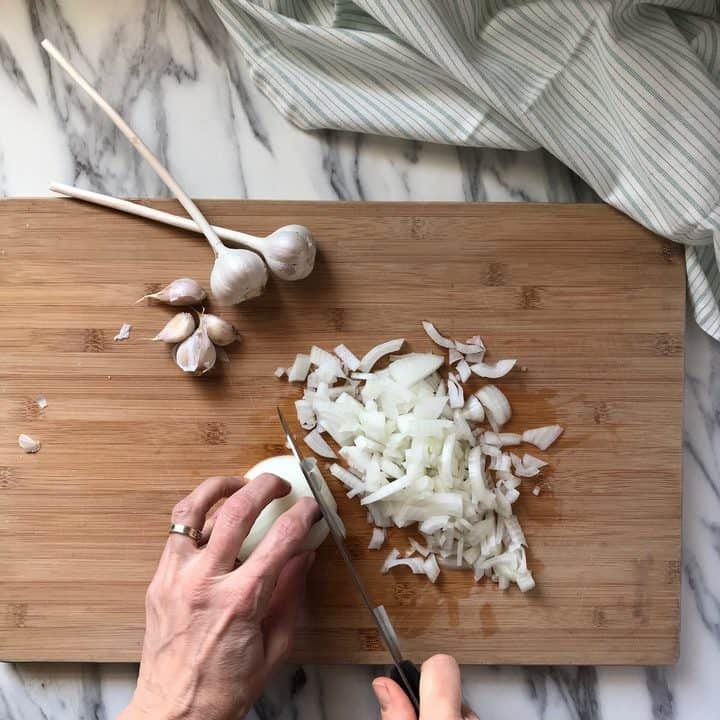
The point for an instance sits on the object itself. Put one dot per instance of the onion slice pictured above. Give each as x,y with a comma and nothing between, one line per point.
317,443
529,466
474,410
493,370
378,538
463,371
299,369
543,437
431,568
432,332
386,491
379,351
501,439
470,348
348,358
497,407
455,391
417,565
305,414
413,368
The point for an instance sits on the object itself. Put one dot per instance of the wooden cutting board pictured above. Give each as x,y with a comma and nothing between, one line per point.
590,303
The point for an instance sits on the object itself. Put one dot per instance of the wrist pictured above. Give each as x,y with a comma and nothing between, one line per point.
139,711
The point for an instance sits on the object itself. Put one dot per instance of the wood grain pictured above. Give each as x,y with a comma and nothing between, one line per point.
590,302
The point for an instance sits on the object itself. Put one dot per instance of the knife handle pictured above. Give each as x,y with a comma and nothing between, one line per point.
413,677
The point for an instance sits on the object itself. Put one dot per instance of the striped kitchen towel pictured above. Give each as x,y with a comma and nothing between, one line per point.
624,92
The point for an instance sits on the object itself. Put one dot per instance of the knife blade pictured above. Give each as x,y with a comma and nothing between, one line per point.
404,671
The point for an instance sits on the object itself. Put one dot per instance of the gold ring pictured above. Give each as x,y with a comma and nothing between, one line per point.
190,532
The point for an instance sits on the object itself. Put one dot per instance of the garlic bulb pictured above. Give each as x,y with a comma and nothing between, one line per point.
28,444
177,329
184,291
237,275
220,331
290,252
196,354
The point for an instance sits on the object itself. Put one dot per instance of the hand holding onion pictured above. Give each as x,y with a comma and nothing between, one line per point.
216,632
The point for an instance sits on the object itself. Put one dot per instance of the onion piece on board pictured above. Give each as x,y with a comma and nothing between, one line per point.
543,437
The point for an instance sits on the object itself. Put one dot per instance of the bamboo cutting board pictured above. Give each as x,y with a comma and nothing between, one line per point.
588,301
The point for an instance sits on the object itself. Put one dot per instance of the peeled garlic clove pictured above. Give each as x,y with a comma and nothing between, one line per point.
220,331
196,354
184,291
237,275
290,252
178,328
28,444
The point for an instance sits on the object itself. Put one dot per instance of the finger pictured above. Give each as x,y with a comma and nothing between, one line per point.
283,541
258,575
394,703
193,508
287,599
237,516
440,689
210,521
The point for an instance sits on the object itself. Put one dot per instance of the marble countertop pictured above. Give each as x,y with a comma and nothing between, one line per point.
171,70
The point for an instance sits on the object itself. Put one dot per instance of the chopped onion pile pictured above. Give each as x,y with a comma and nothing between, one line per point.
418,452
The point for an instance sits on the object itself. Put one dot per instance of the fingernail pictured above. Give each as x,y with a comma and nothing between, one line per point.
382,694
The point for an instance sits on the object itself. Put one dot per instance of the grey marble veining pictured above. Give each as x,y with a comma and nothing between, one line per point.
170,68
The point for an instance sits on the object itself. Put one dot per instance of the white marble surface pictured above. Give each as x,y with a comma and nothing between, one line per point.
171,70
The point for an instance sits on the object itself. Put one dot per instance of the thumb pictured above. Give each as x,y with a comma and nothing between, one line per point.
440,689
394,703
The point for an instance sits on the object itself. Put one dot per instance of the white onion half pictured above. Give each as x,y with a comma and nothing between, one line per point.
286,467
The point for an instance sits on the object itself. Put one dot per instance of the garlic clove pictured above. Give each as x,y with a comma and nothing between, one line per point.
237,275
184,291
196,354
220,331
290,252
177,329
28,444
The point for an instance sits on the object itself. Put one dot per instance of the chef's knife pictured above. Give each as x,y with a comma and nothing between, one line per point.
404,672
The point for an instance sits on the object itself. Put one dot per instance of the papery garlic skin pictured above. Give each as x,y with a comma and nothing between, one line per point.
237,275
197,354
290,252
177,329
123,332
220,331
182,292
28,444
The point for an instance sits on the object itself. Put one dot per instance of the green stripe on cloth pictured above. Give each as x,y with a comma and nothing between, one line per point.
626,93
